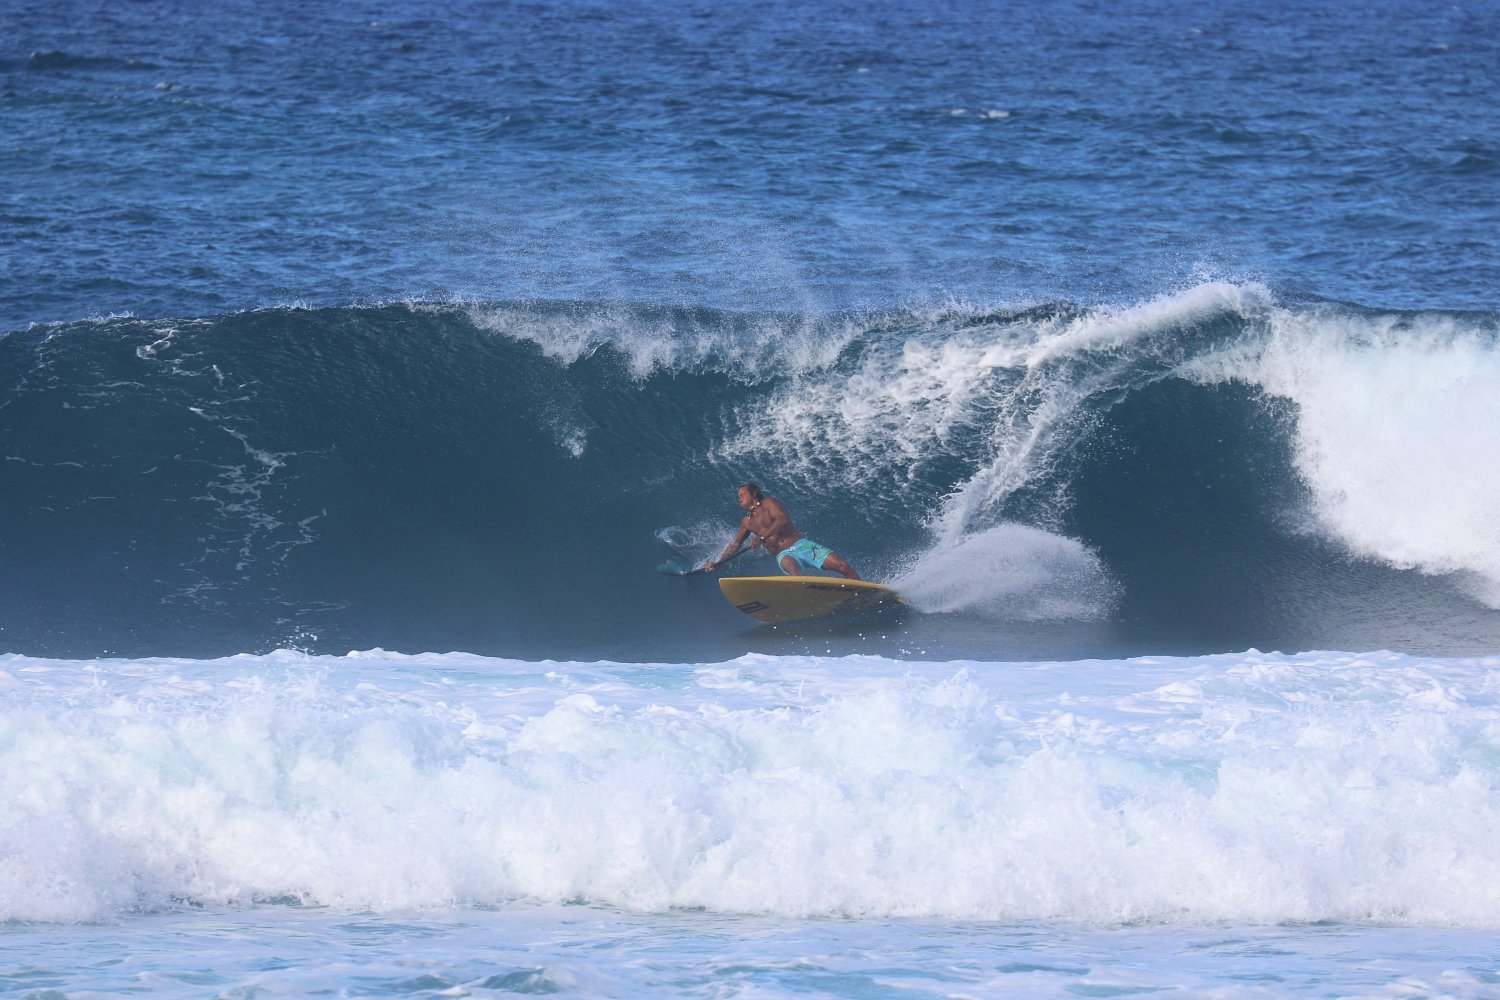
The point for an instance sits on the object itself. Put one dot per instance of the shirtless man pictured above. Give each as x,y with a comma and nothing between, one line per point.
768,521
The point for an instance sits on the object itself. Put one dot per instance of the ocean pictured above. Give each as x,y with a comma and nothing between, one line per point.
370,373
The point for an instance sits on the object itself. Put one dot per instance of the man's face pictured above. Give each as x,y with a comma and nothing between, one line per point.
746,500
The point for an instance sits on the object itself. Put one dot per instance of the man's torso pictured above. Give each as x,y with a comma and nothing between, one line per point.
760,520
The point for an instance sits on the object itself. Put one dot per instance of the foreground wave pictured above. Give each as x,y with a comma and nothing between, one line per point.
1249,788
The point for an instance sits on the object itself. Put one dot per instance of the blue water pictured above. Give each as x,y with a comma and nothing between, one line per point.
171,162
1114,335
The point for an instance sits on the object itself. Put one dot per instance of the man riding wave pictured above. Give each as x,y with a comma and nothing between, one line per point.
767,524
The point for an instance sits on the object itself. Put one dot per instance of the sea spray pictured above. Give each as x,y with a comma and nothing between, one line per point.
1013,572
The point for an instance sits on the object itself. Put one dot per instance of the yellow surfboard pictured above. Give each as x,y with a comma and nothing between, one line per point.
790,598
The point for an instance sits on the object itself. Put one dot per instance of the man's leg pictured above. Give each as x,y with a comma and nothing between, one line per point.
838,565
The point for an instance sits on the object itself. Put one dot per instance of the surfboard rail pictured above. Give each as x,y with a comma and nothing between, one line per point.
774,599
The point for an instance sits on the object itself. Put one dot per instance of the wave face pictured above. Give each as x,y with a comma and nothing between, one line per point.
1244,788
1211,469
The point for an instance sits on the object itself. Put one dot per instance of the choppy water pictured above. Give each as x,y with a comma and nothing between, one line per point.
177,164
1123,339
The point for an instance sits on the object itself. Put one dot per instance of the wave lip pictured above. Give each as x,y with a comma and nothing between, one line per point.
749,345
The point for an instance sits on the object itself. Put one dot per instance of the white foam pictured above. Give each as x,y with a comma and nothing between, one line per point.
1013,572
1106,329
1251,788
750,346
909,401
1395,415
1067,366
1396,431
1007,397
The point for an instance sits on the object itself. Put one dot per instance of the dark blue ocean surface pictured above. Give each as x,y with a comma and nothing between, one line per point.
1100,328
175,160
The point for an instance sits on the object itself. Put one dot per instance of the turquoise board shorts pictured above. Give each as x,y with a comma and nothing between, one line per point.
807,552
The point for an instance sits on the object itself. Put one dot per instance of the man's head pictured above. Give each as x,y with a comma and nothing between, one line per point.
750,495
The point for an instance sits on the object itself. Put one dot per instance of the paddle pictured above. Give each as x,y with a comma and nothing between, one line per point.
704,569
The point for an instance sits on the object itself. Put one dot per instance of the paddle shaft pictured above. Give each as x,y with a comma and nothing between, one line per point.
704,569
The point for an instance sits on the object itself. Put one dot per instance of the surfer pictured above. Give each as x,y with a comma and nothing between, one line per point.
772,528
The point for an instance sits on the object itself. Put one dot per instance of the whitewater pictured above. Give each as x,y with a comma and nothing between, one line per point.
993,807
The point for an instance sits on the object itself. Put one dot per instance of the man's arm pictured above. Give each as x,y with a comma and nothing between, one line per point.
734,546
